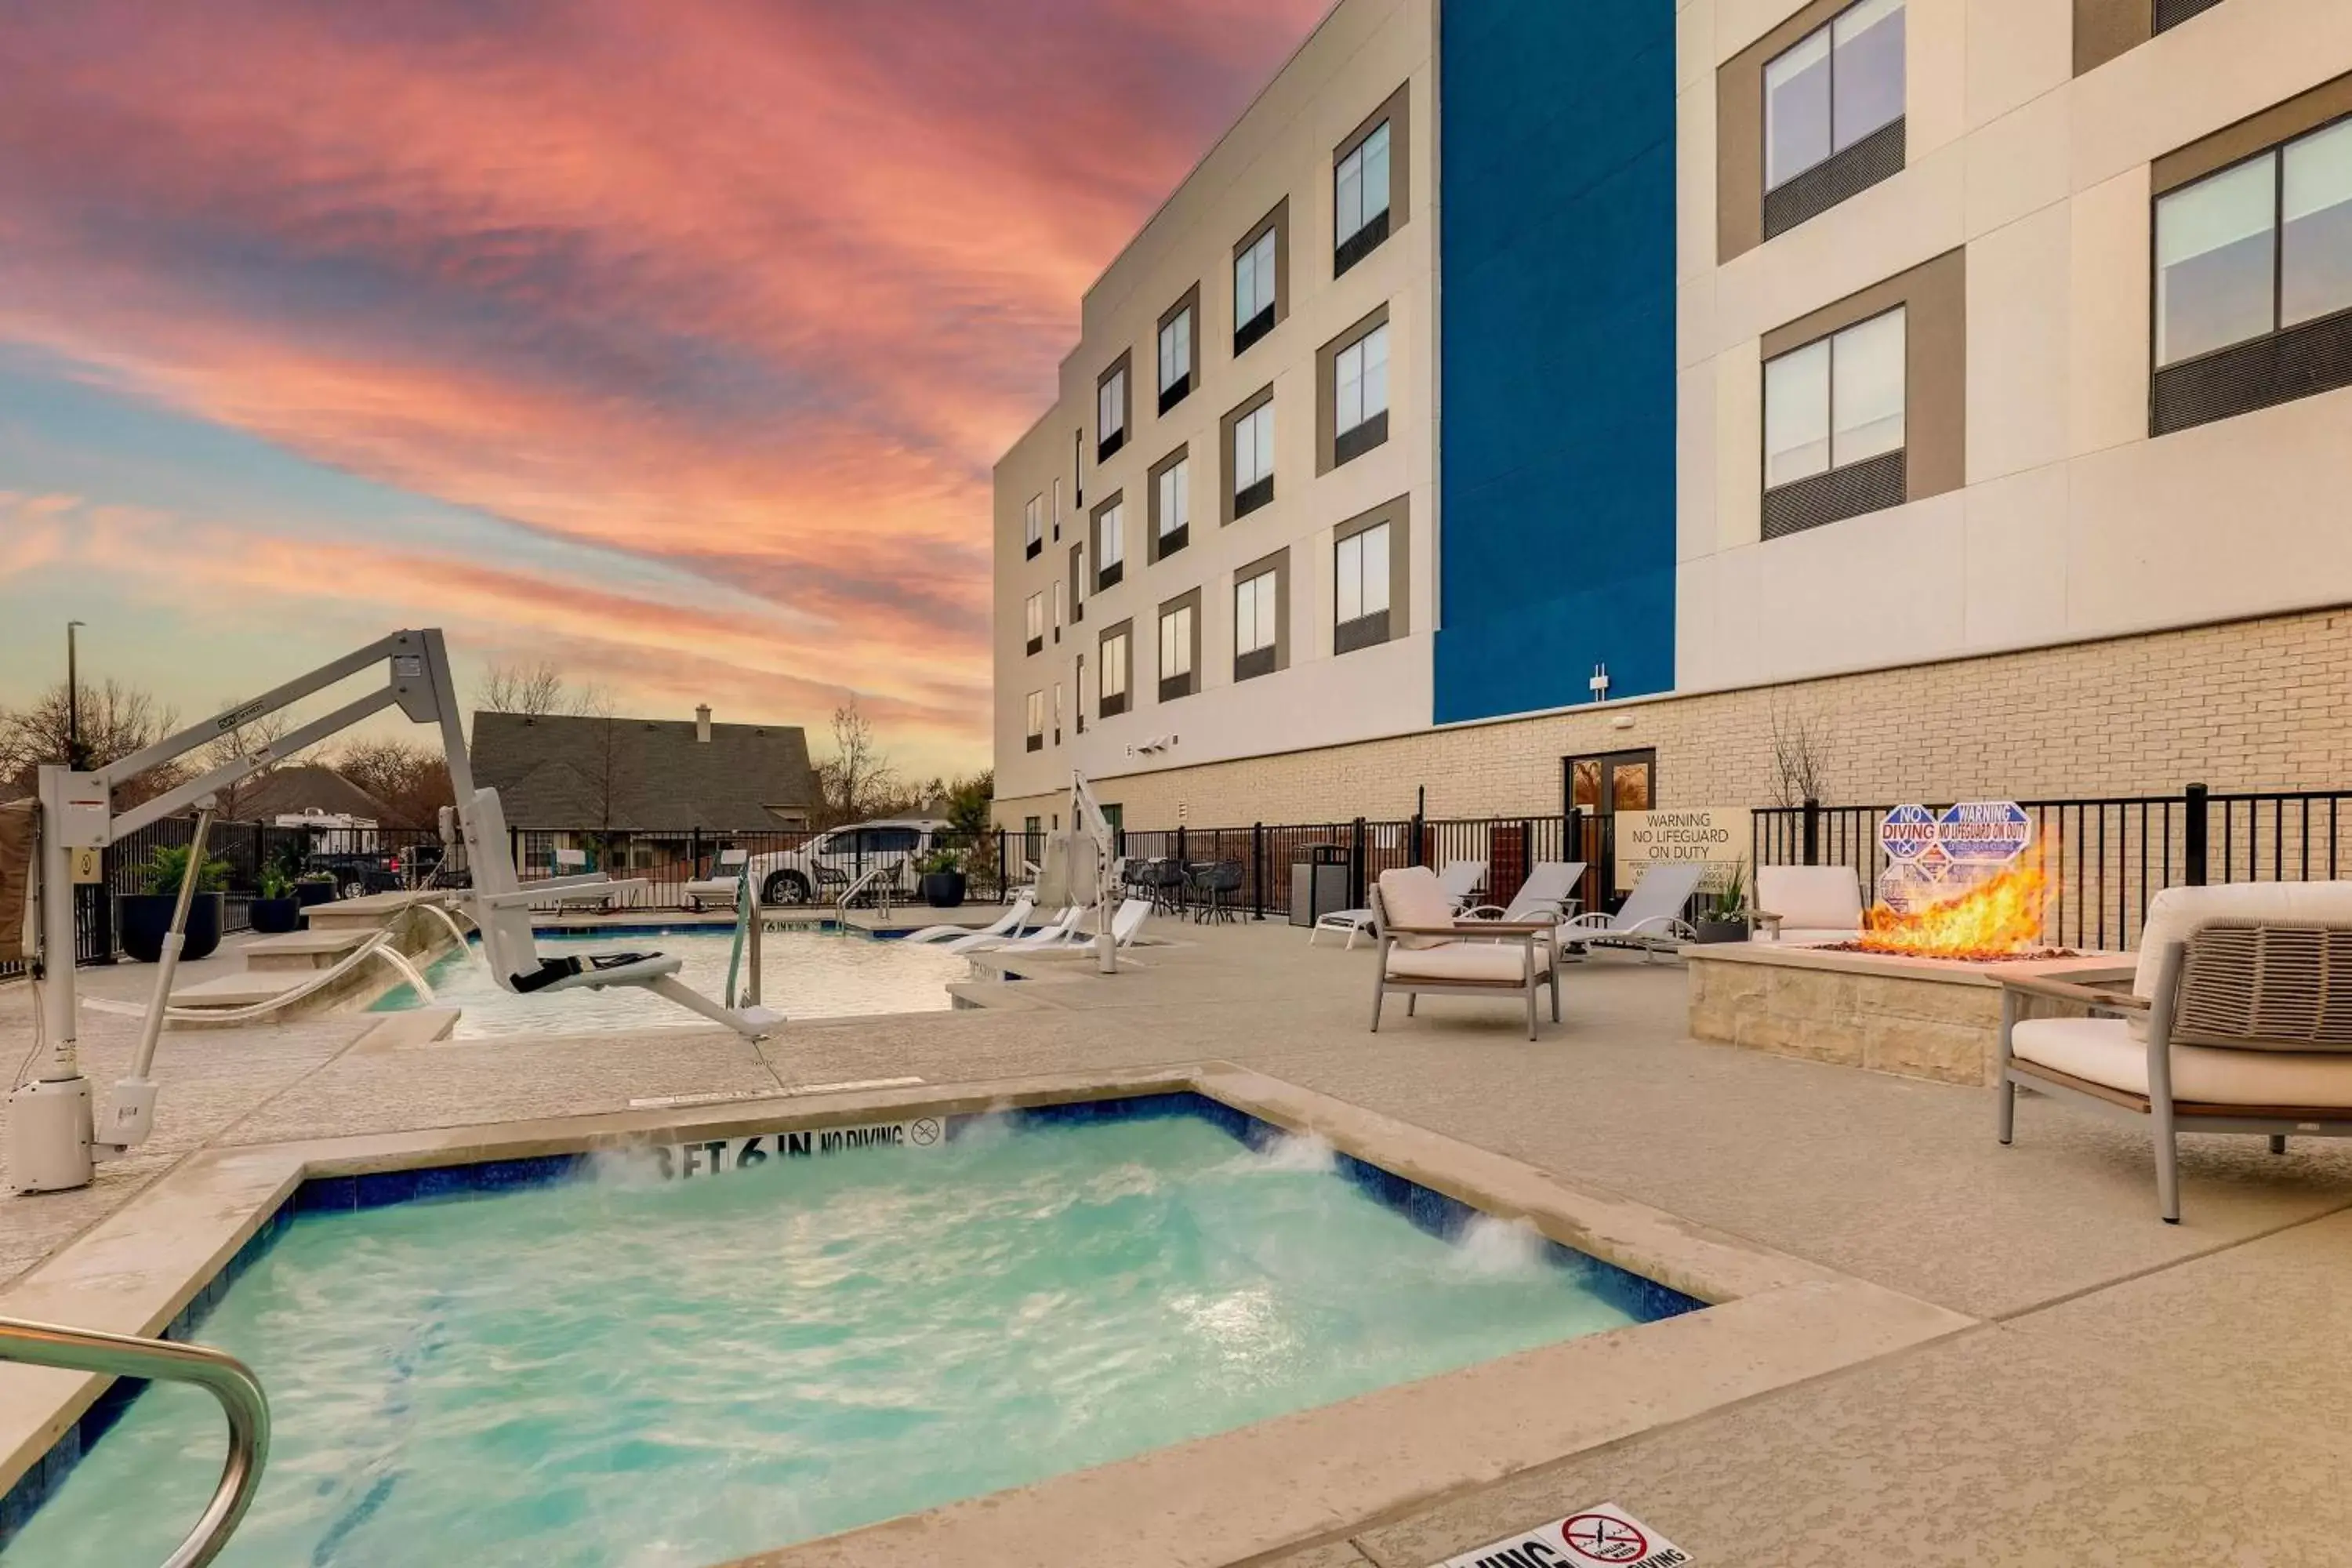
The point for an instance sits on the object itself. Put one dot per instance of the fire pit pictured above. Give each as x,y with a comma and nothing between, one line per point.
1917,994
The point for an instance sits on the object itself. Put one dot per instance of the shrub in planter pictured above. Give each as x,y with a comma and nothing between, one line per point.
942,886
143,920
317,888
276,910
1725,917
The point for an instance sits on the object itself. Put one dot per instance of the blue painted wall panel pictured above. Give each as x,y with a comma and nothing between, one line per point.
1556,444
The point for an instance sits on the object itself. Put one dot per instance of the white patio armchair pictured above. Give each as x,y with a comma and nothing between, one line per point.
1807,905
1424,948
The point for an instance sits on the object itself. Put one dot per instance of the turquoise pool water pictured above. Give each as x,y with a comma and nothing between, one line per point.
623,1371
805,976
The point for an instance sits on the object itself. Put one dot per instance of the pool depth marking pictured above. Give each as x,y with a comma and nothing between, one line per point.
723,1156
1605,1534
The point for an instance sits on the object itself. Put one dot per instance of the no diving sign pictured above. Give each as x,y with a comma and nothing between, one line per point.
1606,1536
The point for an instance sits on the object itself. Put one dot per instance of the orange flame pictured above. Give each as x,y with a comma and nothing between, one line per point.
1997,918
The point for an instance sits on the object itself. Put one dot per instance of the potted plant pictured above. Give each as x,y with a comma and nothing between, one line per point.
276,909
1725,918
314,888
942,886
144,919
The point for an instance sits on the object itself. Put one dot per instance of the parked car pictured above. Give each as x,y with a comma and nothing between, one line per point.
358,873
825,867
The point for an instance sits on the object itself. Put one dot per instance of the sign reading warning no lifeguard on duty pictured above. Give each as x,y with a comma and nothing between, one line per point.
1602,1537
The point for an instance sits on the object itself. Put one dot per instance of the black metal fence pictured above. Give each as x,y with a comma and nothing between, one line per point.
2107,856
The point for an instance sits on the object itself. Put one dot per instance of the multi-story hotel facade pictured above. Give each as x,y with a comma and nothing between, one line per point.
1960,390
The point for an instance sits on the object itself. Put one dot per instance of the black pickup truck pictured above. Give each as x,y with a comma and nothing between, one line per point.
358,873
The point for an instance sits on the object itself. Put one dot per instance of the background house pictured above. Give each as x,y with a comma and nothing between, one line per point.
589,774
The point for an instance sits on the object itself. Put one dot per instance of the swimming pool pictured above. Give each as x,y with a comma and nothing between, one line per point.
842,1326
804,975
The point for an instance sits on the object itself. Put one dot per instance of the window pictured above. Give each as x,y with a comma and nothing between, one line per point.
1111,411
1256,627
1061,607
1036,721
1057,712
2170,14
1057,511
1253,458
1258,262
1176,349
1172,504
1834,425
1361,395
1179,637
1360,200
1033,826
1361,613
2254,283
1032,527
1114,670
1078,467
1078,690
1833,121
1110,545
1078,581
1036,612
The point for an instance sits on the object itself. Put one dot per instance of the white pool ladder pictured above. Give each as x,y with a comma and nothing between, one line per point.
222,1375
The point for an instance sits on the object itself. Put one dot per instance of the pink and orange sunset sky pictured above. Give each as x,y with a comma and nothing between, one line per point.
671,344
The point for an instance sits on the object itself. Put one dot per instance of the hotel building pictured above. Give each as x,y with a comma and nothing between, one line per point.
1960,391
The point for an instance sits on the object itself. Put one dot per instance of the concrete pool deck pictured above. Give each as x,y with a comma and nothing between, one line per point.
2134,1391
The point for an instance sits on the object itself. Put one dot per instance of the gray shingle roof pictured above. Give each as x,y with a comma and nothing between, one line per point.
645,774
303,787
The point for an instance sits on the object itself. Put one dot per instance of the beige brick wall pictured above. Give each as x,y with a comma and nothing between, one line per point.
2260,704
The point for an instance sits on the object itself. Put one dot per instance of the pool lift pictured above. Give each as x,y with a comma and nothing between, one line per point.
53,1144
1089,854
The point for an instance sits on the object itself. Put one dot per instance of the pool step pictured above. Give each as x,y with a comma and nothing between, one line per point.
239,990
303,952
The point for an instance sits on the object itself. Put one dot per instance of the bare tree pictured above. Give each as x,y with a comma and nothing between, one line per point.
857,780
520,689
116,720
412,781
238,741
1800,745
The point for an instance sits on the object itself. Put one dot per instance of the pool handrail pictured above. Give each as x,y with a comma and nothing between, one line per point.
222,1375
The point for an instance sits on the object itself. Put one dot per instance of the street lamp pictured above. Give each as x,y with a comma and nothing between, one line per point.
74,758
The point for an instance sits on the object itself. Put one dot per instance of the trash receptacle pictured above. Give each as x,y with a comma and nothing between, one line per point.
1319,883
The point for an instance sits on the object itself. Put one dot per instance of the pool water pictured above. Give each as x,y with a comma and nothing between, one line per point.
623,1371
803,974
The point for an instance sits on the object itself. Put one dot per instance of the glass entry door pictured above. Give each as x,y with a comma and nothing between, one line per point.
1599,787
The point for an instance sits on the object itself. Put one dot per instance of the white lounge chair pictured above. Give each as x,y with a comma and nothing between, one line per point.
2238,1020
724,886
1461,879
989,942
1651,920
1550,887
570,865
1424,948
1804,905
1123,925
1006,924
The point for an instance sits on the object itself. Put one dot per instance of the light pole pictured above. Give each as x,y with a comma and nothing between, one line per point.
74,759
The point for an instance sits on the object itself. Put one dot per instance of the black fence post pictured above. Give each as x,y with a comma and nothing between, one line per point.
1420,825
694,851
2193,849
1356,864
1812,844
1258,870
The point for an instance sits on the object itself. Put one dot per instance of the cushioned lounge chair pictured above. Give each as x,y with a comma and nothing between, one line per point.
1803,905
1424,948
2238,1020
1650,919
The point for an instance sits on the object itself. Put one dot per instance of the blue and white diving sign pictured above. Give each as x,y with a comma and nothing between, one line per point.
1908,831
1982,832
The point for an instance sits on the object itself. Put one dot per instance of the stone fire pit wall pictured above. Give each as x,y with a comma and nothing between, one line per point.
1920,1018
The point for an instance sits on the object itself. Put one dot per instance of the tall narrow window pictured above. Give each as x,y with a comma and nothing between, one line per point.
1057,712
1176,630
1361,199
1114,672
1033,527
1034,610
1834,105
1036,721
1111,411
1833,426
1172,506
1253,463
1255,629
1361,394
1057,510
1360,611
1110,545
1061,607
1257,279
2254,283
1176,350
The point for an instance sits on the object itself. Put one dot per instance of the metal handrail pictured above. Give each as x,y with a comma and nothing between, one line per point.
222,1375
883,878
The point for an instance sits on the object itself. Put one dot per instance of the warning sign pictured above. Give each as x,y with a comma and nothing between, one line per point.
1603,1535
725,1156
1717,837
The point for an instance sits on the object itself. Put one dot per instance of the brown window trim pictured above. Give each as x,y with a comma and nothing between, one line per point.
1188,600
1278,564
1107,577
1739,225
1934,295
2104,29
1122,367
1247,334
1108,706
1327,455
1396,112
1172,396
1155,547
2257,133
1397,512
1228,508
